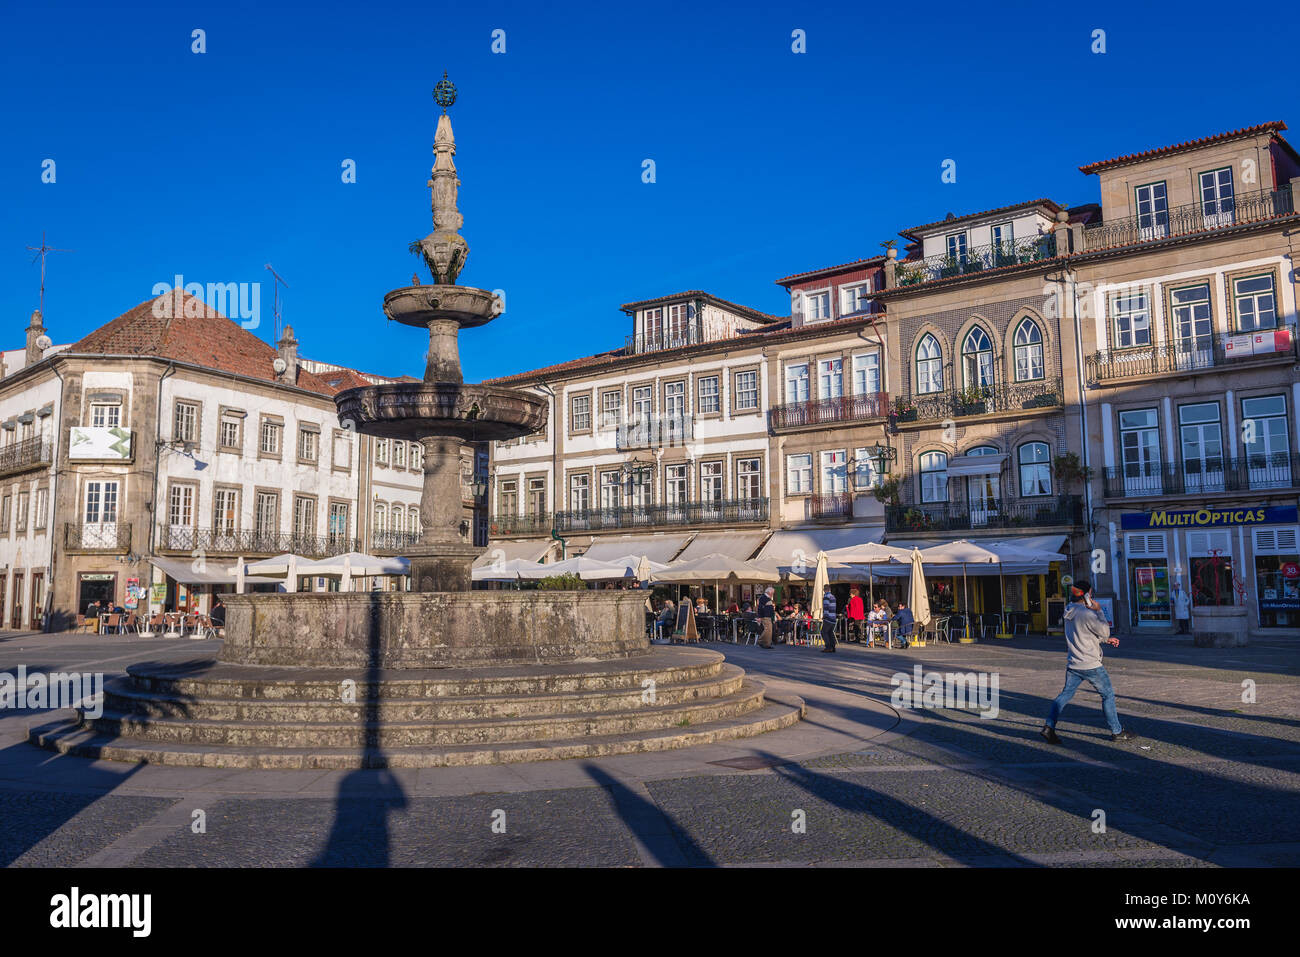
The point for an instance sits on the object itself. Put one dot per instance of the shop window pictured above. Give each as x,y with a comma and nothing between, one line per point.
1277,577
1148,579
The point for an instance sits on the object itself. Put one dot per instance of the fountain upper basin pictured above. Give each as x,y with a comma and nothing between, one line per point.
416,410
421,305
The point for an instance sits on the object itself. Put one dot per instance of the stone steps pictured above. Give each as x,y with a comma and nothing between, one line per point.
124,698
70,738
428,733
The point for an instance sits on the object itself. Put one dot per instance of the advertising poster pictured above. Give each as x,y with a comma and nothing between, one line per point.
1151,593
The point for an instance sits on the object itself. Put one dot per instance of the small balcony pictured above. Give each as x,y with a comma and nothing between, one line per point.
97,537
22,456
657,431
511,526
830,507
841,410
391,541
976,260
1254,473
1192,356
984,400
670,337
1252,207
965,516
720,512
234,542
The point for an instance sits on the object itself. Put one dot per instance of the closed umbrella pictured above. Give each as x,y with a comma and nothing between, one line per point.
918,596
820,584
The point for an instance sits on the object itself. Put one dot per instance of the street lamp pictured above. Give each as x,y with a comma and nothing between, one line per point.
881,455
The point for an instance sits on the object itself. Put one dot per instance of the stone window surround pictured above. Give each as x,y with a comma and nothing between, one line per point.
1230,299
1154,321
569,475
736,459
525,497
383,453
173,483
815,373
329,508
334,459
264,420
812,474
712,460
1018,443
1009,344
177,402
631,393
570,398
222,412
239,497
684,380
315,513
314,429
718,375
260,490
599,412
106,397
22,507
758,390
40,515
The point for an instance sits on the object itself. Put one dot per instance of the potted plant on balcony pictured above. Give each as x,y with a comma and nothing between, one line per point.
1004,254
903,410
888,490
973,401
973,263
910,277
950,266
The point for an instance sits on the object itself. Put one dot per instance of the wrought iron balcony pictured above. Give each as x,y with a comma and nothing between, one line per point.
386,540
24,455
1254,473
97,536
1190,355
220,541
720,512
977,259
961,516
1202,217
849,408
508,526
658,431
686,334
830,507
984,400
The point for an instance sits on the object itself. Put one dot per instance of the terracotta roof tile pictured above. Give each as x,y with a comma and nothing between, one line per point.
630,307
1052,204
180,327
825,269
1273,126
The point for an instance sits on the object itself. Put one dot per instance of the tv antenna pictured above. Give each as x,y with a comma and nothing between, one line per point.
41,252
275,299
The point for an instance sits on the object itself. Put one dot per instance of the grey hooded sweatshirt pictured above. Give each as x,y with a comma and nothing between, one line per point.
1085,630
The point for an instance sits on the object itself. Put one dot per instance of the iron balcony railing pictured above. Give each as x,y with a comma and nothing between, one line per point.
976,259
658,431
830,506
23,455
1190,355
720,512
676,337
97,536
1254,473
219,541
849,408
506,526
960,516
387,540
1200,217
982,400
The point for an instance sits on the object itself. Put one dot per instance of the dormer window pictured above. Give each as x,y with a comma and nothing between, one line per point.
817,306
853,299
654,326
957,246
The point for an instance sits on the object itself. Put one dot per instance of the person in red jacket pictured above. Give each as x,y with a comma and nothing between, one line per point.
856,614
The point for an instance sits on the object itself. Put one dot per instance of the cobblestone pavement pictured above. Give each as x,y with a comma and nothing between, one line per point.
1207,783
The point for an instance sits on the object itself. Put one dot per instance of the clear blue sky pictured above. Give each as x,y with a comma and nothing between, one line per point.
768,162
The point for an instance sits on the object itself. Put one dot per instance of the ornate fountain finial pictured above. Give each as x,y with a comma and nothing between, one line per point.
444,250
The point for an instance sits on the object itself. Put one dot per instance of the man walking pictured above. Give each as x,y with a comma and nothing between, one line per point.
1085,630
766,616
828,621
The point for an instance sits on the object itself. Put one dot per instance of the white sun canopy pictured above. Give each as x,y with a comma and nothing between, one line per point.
960,465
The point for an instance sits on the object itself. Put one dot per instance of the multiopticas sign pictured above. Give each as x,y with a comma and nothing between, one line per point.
1209,517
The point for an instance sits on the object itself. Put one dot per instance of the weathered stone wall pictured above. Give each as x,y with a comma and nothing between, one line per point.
433,629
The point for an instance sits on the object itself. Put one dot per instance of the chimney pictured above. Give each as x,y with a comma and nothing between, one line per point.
35,333
288,349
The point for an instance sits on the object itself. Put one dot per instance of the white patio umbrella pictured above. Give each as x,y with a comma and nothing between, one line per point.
588,569
961,553
360,564
869,554
510,571
820,584
285,565
715,568
918,596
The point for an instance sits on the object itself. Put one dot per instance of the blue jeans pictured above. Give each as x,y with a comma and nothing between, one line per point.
1099,679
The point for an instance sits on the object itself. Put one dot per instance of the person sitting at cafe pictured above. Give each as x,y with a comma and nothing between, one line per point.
701,606
218,614
905,623
733,608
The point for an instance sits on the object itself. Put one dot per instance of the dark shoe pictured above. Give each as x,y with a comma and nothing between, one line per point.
1123,736
828,651
1049,735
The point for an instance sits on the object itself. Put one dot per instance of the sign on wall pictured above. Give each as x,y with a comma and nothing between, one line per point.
98,444
1209,517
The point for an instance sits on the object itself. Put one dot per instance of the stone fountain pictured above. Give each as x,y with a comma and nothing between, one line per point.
441,674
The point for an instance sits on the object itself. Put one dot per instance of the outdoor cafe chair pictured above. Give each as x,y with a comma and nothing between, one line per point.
113,623
1020,622
956,624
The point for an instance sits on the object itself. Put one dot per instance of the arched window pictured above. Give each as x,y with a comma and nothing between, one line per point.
983,490
1035,469
1029,351
977,360
397,516
413,520
381,516
934,477
929,365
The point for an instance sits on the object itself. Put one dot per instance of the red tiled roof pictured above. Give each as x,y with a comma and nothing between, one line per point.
186,330
1273,126
630,307
827,269
339,379
1052,204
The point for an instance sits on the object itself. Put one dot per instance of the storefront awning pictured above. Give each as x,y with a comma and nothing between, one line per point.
657,548
1037,543
510,551
809,541
211,573
737,545
960,465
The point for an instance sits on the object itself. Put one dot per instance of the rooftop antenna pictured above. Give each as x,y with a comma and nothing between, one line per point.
275,300
41,251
